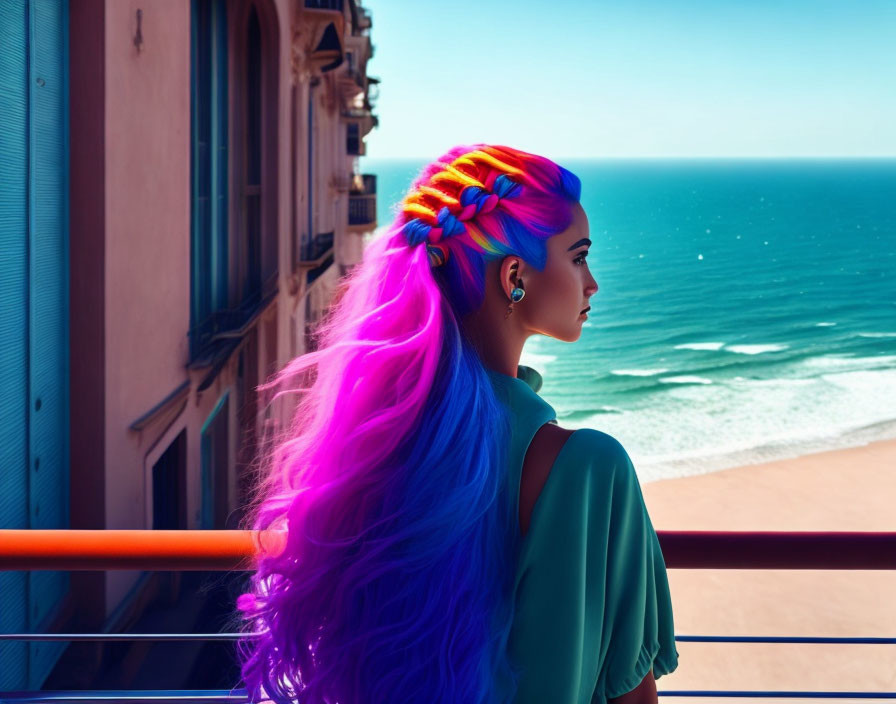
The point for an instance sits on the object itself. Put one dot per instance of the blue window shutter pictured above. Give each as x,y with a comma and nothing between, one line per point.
219,234
34,489
200,306
208,165
14,287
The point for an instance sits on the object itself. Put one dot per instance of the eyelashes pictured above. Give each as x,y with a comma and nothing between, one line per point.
581,258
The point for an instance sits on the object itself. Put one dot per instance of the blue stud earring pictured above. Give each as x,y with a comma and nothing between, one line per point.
516,295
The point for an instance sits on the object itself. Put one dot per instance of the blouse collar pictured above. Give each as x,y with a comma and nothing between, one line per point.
519,391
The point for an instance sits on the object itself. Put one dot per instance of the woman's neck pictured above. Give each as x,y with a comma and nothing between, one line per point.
498,343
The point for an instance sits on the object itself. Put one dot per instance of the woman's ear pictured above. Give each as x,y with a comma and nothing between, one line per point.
511,274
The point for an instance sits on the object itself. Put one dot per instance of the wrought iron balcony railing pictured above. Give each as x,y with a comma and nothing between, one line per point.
362,202
231,322
236,550
324,5
317,246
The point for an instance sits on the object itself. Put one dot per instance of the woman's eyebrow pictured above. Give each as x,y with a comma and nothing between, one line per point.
579,244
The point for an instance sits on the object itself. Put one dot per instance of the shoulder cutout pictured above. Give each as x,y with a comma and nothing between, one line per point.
543,450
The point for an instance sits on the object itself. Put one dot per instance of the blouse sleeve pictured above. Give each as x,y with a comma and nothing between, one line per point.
594,611
638,630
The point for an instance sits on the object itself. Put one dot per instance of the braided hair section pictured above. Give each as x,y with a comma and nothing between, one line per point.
471,186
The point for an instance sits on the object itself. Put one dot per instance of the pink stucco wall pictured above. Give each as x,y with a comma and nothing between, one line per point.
147,165
140,191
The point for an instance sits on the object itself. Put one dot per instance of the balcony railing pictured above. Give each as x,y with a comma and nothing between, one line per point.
317,246
229,323
361,211
233,549
362,203
324,5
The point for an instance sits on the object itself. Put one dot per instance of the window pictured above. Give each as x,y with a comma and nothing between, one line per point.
208,169
256,107
353,139
250,275
215,444
169,486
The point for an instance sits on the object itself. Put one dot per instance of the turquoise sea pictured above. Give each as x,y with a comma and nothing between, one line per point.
746,311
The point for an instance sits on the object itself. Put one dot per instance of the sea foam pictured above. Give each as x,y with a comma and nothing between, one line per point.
685,379
700,346
755,349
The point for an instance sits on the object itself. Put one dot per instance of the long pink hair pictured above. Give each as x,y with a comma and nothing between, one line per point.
395,581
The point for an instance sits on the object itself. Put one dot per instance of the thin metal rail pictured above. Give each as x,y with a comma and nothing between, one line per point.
239,696
237,636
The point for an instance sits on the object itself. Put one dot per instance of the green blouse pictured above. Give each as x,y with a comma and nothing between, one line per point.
593,609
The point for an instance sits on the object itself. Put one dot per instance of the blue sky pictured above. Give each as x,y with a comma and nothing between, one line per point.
642,78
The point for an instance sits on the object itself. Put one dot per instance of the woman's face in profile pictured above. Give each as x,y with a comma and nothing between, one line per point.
556,296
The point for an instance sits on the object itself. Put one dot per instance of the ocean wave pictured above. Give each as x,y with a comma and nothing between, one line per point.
637,372
718,367
700,346
824,325
864,382
877,334
832,361
686,379
536,361
585,414
755,349
780,382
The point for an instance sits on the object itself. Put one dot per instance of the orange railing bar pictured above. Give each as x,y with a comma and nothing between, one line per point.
205,550
224,550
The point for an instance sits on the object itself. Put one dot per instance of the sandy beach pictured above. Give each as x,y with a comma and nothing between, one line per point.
841,490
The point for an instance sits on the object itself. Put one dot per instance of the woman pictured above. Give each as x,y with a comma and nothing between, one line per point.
418,566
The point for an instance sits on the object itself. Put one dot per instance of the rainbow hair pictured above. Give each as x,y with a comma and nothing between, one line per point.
395,580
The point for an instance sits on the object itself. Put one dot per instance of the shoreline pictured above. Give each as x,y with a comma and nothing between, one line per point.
848,489
657,469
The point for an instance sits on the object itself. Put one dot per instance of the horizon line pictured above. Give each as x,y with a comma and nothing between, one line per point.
832,157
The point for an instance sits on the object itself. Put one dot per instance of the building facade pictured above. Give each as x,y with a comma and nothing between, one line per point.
180,198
